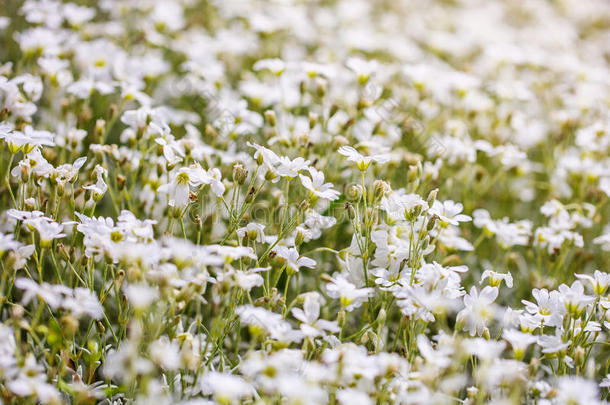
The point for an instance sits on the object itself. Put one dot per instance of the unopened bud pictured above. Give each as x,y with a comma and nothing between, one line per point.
69,325
412,174
381,317
380,188
333,110
432,197
250,195
313,119
98,131
299,238
351,212
120,182
341,318
17,311
239,174
579,356
270,175
353,193
210,131
270,118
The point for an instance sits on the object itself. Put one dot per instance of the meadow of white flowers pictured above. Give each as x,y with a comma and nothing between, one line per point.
304,202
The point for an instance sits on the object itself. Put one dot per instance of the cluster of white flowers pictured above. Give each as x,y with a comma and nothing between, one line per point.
304,202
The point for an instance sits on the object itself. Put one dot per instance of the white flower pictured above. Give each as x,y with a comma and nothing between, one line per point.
31,380
8,242
254,231
262,321
603,240
250,278
179,188
100,187
317,186
519,341
22,254
478,309
226,388
291,168
350,296
496,278
363,68
293,260
275,66
441,357
28,140
53,295
599,281
165,353
553,344
574,390
47,230
83,302
311,325
449,212
574,298
67,172
362,162
140,296
548,307
351,396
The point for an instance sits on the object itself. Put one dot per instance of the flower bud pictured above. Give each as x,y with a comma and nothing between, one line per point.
381,317
120,182
380,188
351,212
340,141
98,131
30,204
313,119
413,173
354,193
579,356
341,318
321,87
210,131
17,311
69,325
270,175
299,238
270,118
333,110
239,174
432,197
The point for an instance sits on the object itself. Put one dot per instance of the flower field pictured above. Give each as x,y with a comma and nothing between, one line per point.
300,202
